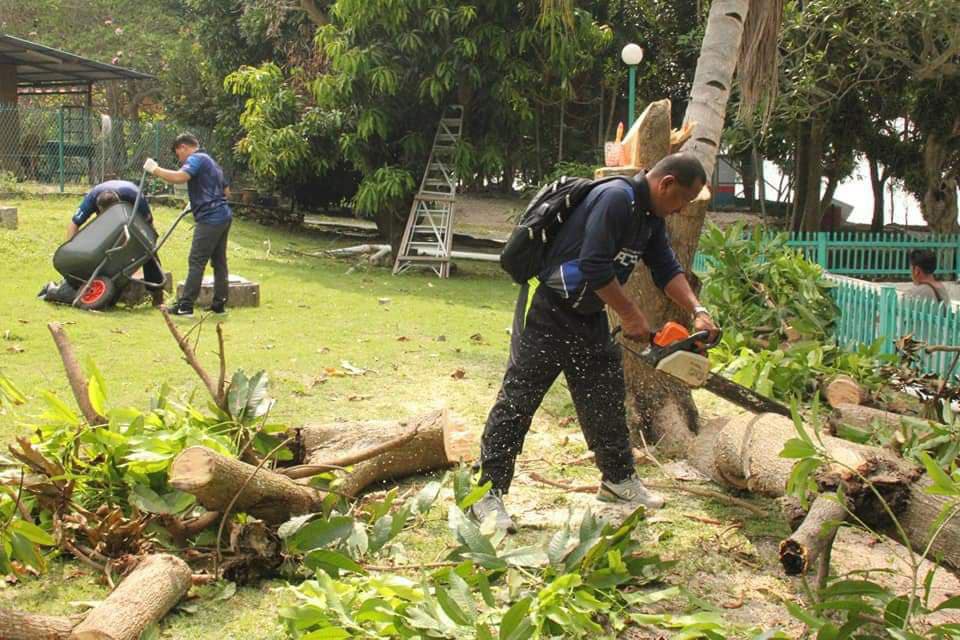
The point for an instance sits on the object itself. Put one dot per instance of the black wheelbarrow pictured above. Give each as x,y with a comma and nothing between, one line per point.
104,256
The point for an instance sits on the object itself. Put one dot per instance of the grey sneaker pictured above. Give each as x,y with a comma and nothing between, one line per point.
630,490
492,503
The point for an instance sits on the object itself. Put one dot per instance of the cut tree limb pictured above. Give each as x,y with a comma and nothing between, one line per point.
843,390
438,442
308,470
19,625
865,417
78,382
808,543
143,598
215,480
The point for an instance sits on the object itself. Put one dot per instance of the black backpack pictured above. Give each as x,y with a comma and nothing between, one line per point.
525,250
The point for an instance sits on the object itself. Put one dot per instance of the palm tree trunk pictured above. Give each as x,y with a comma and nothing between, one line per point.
714,78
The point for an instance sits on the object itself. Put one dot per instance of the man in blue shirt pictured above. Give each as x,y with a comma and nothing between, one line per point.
208,201
560,325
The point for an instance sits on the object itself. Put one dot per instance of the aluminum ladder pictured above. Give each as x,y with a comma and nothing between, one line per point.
428,236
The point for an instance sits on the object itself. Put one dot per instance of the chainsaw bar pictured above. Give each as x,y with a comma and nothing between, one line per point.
742,396
720,386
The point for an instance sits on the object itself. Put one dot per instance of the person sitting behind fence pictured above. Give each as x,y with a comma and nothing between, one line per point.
96,201
923,264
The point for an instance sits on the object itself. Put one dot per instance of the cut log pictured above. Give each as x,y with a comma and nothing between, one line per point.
439,442
809,542
19,625
143,598
215,479
746,456
867,417
843,390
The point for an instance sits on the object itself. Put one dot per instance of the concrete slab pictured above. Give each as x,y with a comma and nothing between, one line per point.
243,292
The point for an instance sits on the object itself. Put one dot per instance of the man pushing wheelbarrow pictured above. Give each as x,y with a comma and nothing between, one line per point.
102,256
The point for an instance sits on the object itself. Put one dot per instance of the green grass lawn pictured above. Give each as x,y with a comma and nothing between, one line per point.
410,333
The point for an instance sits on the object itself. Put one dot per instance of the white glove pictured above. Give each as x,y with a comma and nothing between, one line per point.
150,166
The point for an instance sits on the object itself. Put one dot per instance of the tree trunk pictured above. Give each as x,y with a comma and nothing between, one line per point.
801,550
143,598
19,625
215,479
391,222
719,53
811,213
748,172
939,201
743,453
656,402
438,442
876,183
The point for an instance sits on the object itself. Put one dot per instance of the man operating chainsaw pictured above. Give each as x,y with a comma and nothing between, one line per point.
560,324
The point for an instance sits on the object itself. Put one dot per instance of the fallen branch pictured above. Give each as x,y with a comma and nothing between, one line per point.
78,382
812,539
191,358
222,379
214,479
335,464
409,567
20,625
143,598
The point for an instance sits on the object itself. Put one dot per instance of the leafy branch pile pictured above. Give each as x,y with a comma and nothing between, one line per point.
778,315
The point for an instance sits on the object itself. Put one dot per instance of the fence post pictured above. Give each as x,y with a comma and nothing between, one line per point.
60,151
956,257
822,249
888,318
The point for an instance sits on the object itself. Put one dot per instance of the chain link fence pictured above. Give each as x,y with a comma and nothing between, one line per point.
69,148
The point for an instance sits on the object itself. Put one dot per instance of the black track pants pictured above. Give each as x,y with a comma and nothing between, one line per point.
549,339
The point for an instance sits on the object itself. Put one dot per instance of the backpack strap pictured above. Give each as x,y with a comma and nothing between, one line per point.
936,293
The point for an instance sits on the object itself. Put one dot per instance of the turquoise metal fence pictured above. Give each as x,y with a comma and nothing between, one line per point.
869,312
869,255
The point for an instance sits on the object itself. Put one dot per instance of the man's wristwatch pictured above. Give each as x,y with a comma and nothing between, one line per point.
700,310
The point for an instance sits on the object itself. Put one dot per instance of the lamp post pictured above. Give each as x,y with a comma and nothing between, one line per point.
631,55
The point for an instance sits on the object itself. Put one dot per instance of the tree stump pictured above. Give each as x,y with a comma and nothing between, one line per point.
8,218
215,479
243,292
438,442
135,292
143,598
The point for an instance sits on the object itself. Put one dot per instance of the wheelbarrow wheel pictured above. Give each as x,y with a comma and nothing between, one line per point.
99,295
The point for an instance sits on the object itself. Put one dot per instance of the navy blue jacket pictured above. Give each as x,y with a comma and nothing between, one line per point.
126,191
608,233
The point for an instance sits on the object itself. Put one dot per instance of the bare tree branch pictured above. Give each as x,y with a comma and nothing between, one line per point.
191,358
78,382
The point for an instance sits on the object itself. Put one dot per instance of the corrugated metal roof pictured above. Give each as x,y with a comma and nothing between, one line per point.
39,65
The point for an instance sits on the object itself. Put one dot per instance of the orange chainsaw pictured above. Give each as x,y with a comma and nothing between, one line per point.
673,350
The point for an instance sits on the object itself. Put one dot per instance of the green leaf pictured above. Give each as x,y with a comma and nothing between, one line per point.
949,603
329,561
942,483
516,625
797,448
147,500
452,608
96,389
26,552
32,532
319,534
474,495
293,525
468,533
